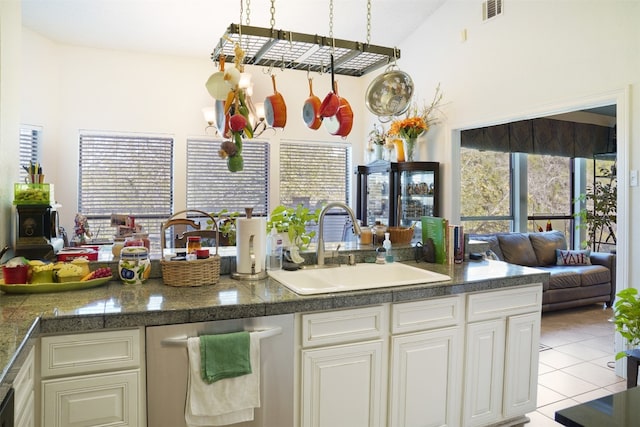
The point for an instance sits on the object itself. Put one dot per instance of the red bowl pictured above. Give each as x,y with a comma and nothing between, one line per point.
15,275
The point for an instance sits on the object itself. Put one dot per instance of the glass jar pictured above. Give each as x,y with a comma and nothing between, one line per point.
366,236
193,244
133,240
145,240
134,266
378,231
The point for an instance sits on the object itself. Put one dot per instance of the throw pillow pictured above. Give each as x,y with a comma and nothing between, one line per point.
517,249
573,257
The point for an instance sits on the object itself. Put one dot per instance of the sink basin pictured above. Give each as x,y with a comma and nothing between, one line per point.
353,278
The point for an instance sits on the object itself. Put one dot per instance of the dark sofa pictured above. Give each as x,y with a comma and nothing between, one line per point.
577,278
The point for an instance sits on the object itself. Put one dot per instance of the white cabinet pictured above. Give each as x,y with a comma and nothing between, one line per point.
343,368
484,368
501,362
465,360
425,378
24,387
342,385
521,364
93,379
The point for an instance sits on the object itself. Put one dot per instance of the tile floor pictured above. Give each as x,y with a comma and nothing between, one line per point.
577,364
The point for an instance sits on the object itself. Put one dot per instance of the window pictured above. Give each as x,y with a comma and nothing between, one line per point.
486,204
30,139
125,174
550,195
212,188
314,174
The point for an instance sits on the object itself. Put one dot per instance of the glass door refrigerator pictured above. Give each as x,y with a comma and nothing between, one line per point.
397,194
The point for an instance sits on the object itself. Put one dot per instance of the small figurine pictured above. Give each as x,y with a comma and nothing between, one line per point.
81,230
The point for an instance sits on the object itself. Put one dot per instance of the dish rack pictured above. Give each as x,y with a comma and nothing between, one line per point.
197,272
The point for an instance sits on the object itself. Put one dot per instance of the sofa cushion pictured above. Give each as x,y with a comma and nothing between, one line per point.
545,245
573,257
593,275
516,249
562,277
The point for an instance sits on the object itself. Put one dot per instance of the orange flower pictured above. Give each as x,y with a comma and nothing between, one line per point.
417,120
411,127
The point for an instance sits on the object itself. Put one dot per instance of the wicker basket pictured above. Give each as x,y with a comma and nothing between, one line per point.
400,235
190,273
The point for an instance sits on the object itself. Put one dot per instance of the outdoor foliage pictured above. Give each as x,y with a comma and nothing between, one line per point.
600,213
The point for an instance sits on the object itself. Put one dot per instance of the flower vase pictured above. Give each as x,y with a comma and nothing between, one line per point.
377,152
410,148
399,150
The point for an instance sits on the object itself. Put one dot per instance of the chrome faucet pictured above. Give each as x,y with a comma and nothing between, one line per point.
331,205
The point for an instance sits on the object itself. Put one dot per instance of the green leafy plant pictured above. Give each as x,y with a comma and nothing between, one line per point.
600,214
627,318
226,226
294,222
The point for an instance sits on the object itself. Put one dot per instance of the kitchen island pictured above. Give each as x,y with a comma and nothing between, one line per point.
25,317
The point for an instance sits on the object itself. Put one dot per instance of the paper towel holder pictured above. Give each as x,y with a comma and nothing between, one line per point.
253,275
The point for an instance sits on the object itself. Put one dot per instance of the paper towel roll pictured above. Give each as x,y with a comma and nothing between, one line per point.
245,228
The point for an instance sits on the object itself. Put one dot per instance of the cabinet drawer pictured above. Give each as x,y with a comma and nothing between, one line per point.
428,314
90,352
335,327
92,400
24,383
500,303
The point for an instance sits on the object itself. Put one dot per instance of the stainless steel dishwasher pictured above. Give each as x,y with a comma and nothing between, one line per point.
167,365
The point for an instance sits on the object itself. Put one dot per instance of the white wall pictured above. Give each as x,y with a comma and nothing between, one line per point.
68,88
10,48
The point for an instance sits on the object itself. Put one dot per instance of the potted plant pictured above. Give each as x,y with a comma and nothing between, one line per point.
627,320
601,216
226,222
293,223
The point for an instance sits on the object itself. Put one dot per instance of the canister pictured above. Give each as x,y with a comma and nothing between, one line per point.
134,266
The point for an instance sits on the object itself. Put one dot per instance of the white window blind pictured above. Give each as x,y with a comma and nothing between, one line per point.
30,139
212,188
314,173
125,174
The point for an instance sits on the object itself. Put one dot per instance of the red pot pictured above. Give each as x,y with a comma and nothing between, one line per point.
275,109
311,109
341,122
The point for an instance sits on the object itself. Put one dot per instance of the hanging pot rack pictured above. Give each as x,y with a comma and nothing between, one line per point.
268,47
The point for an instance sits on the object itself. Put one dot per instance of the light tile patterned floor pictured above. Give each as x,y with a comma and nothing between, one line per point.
577,365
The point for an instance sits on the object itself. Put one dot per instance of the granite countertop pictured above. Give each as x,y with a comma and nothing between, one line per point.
115,305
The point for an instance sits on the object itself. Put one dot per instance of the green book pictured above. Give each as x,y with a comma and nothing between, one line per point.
434,232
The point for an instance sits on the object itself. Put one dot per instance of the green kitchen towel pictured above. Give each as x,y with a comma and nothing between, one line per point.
224,356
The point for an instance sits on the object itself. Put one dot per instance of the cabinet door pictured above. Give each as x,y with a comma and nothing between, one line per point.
485,345
23,385
342,385
92,400
425,381
26,416
521,364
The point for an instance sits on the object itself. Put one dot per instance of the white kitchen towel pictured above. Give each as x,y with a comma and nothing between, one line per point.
227,401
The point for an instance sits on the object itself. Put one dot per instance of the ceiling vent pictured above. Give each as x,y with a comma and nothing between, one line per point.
491,9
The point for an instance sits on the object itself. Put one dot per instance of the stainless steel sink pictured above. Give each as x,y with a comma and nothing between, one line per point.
353,278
